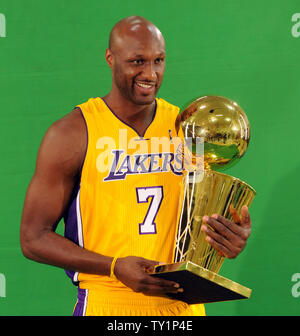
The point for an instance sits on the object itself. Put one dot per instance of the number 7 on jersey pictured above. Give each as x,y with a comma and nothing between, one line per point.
156,194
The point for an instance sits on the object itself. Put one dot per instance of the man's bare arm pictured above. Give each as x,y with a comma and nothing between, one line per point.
58,166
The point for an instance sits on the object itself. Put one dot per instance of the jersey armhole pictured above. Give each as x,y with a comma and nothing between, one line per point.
87,140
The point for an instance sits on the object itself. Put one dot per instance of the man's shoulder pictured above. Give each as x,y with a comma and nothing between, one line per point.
71,123
64,143
67,133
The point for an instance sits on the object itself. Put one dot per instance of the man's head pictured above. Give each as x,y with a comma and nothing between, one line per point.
136,56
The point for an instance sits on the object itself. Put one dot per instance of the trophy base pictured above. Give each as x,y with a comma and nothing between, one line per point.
199,284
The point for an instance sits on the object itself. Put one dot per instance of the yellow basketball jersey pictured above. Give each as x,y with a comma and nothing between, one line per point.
128,198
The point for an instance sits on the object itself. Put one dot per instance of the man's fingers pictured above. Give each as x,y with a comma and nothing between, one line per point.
219,247
234,214
155,285
152,280
246,220
223,226
151,283
228,237
223,244
158,290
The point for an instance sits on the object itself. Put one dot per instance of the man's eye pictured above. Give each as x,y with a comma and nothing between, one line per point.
159,60
138,61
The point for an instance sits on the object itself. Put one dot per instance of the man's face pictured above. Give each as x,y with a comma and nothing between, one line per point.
138,68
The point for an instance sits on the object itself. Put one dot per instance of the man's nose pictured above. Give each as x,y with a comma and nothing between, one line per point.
149,72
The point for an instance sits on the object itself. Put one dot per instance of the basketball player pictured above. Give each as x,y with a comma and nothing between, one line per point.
118,199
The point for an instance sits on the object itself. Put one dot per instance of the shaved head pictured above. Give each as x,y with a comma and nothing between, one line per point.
136,56
135,27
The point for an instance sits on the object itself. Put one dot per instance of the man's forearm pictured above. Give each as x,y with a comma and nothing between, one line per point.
53,249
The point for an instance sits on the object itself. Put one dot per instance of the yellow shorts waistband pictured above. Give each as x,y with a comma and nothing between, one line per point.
118,302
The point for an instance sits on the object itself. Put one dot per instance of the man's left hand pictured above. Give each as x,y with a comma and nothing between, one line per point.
227,237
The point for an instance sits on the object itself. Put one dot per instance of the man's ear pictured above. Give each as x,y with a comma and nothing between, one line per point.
109,57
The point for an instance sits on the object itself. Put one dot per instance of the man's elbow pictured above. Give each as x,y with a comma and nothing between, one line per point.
28,246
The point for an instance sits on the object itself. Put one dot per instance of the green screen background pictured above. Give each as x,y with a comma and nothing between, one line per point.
53,59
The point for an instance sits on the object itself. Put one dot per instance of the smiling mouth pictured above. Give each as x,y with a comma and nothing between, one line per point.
145,87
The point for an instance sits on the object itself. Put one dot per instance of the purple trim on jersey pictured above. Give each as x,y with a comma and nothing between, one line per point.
87,137
80,308
71,225
71,213
141,136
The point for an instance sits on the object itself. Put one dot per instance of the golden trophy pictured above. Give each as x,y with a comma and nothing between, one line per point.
225,132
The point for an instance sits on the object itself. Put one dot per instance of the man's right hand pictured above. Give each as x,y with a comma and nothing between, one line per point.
133,272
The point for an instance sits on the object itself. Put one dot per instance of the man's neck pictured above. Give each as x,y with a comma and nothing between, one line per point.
137,116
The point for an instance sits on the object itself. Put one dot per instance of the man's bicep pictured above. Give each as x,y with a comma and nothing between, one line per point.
57,168
42,208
